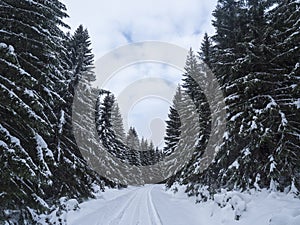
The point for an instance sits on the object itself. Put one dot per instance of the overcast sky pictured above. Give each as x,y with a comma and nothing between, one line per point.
115,23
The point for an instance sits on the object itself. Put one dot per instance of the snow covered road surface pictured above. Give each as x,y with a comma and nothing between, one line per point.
152,205
147,205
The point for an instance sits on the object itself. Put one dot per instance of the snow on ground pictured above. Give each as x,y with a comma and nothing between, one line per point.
152,205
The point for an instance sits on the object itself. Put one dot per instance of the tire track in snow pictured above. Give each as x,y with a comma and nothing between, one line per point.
132,213
117,219
152,209
103,212
136,220
121,195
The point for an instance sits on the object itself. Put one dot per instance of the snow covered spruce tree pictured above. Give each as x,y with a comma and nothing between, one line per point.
194,114
111,134
206,51
39,159
255,58
144,144
122,159
132,139
133,143
234,58
191,86
80,92
173,124
80,75
285,21
143,152
107,136
117,123
256,91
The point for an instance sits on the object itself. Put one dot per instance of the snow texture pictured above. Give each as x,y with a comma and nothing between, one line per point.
151,204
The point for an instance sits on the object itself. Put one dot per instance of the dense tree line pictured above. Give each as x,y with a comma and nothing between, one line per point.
39,69
127,147
255,57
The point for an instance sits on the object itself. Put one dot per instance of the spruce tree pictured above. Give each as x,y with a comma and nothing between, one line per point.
103,119
80,56
173,125
260,96
30,71
144,144
257,122
122,163
39,158
194,114
256,60
284,21
132,139
206,51
117,123
194,80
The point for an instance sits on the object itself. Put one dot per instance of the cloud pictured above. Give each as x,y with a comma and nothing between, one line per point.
131,74
114,23
150,125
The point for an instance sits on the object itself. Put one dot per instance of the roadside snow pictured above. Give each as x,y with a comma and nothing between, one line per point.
297,103
152,205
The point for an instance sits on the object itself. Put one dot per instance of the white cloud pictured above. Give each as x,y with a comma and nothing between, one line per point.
115,23
131,74
179,22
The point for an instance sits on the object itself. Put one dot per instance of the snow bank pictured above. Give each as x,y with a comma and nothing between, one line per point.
152,204
286,217
262,207
59,214
232,200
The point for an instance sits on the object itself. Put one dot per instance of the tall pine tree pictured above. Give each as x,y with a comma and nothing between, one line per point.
39,159
173,125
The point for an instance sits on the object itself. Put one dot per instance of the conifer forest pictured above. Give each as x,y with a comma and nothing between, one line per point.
254,55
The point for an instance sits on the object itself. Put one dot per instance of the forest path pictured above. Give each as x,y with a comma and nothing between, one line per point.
144,205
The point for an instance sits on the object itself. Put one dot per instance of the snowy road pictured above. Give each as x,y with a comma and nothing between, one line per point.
152,205
147,205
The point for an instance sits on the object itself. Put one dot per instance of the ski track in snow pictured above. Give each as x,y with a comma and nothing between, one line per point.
152,205
139,206
153,211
